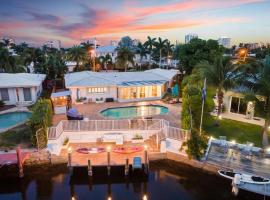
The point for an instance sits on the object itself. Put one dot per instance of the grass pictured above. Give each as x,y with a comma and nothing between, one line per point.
18,136
234,130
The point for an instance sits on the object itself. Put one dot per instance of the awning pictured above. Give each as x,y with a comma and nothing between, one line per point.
142,83
61,94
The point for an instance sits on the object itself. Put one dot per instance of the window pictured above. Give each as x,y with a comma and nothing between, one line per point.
4,94
27,94
97,90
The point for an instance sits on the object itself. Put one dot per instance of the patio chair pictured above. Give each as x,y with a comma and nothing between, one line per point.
137,163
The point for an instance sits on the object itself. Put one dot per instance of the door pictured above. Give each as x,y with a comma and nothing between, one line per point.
27,94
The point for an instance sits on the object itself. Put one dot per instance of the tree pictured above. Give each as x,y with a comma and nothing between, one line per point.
160,46
79,55
198,50
9,63
150,44
168,50
124,57
221,74
105,60
142,51
257,81
126,42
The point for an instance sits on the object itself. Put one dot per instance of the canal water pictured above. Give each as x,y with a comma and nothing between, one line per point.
167,180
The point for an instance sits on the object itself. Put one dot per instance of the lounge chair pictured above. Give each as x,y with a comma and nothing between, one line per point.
137,163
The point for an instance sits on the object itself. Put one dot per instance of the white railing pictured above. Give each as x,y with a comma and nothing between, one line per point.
177,133
104,125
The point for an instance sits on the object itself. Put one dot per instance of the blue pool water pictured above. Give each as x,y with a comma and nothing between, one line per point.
10,119
134,111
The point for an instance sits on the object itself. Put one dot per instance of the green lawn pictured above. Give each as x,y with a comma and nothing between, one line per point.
18,136
234,130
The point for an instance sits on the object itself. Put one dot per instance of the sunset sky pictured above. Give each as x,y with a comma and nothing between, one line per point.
72,21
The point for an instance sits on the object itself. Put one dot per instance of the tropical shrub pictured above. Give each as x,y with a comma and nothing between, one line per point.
41,119
196,145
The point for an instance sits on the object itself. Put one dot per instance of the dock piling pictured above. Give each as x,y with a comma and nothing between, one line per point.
90,171
126,167
109,160
146,160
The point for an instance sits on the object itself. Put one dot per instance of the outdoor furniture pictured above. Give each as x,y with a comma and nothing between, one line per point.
137,163
113,137
73,114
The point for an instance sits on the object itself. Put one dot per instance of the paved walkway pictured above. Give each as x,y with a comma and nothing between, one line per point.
92,111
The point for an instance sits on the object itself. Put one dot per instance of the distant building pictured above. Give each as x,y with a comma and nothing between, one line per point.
104,50
190,36
53,44
135,42
225,41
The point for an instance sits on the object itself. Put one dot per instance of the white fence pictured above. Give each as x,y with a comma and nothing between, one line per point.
91,130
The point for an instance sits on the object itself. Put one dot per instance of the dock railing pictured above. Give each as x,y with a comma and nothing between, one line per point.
92,129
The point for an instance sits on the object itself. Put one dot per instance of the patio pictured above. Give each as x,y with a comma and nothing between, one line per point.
92,111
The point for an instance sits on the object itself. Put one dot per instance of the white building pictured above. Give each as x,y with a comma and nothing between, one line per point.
53,44
21,88
190,36
119,86
225,41
104,50
71,65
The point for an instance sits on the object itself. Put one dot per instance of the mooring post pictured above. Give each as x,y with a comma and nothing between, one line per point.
146,160
20,161
69,158
109,160
126,167
90,171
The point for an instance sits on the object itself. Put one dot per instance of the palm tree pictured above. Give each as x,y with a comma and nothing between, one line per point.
160,45
104,60
142,51
256,78
9,63
150,44
77,54
124,57
168,49
221,75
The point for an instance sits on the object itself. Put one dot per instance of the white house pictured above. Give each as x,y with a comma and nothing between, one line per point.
104,50
119,86
21,88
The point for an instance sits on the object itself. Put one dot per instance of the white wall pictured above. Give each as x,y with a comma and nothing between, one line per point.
35,93
110,93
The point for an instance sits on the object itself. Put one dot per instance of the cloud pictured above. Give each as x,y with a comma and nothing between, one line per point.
47,18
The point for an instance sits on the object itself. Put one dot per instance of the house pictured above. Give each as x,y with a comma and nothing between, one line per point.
119,86
109,49
234,102
21,88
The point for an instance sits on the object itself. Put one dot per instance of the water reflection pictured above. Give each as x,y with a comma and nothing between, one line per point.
166,180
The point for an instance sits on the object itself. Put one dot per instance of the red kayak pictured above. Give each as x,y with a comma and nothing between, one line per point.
126,150
91,150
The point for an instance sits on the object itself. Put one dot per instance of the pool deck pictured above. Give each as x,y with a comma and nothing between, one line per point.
92,111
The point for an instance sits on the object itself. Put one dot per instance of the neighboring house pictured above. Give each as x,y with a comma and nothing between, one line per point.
119,86
104,50
233,102
71,65
21,88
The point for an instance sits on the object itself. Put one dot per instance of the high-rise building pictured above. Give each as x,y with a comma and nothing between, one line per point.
190,36
53,44
225,41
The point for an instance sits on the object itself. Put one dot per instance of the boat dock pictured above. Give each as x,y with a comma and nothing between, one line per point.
108,159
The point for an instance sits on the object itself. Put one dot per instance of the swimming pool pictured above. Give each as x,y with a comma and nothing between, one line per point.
134,111
8,120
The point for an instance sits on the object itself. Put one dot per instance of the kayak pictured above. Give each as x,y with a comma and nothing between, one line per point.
127,150
91,150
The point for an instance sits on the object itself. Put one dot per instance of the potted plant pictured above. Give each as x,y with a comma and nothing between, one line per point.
137,139
66,143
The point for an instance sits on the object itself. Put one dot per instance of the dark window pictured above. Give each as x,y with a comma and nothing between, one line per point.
4,94
27,94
